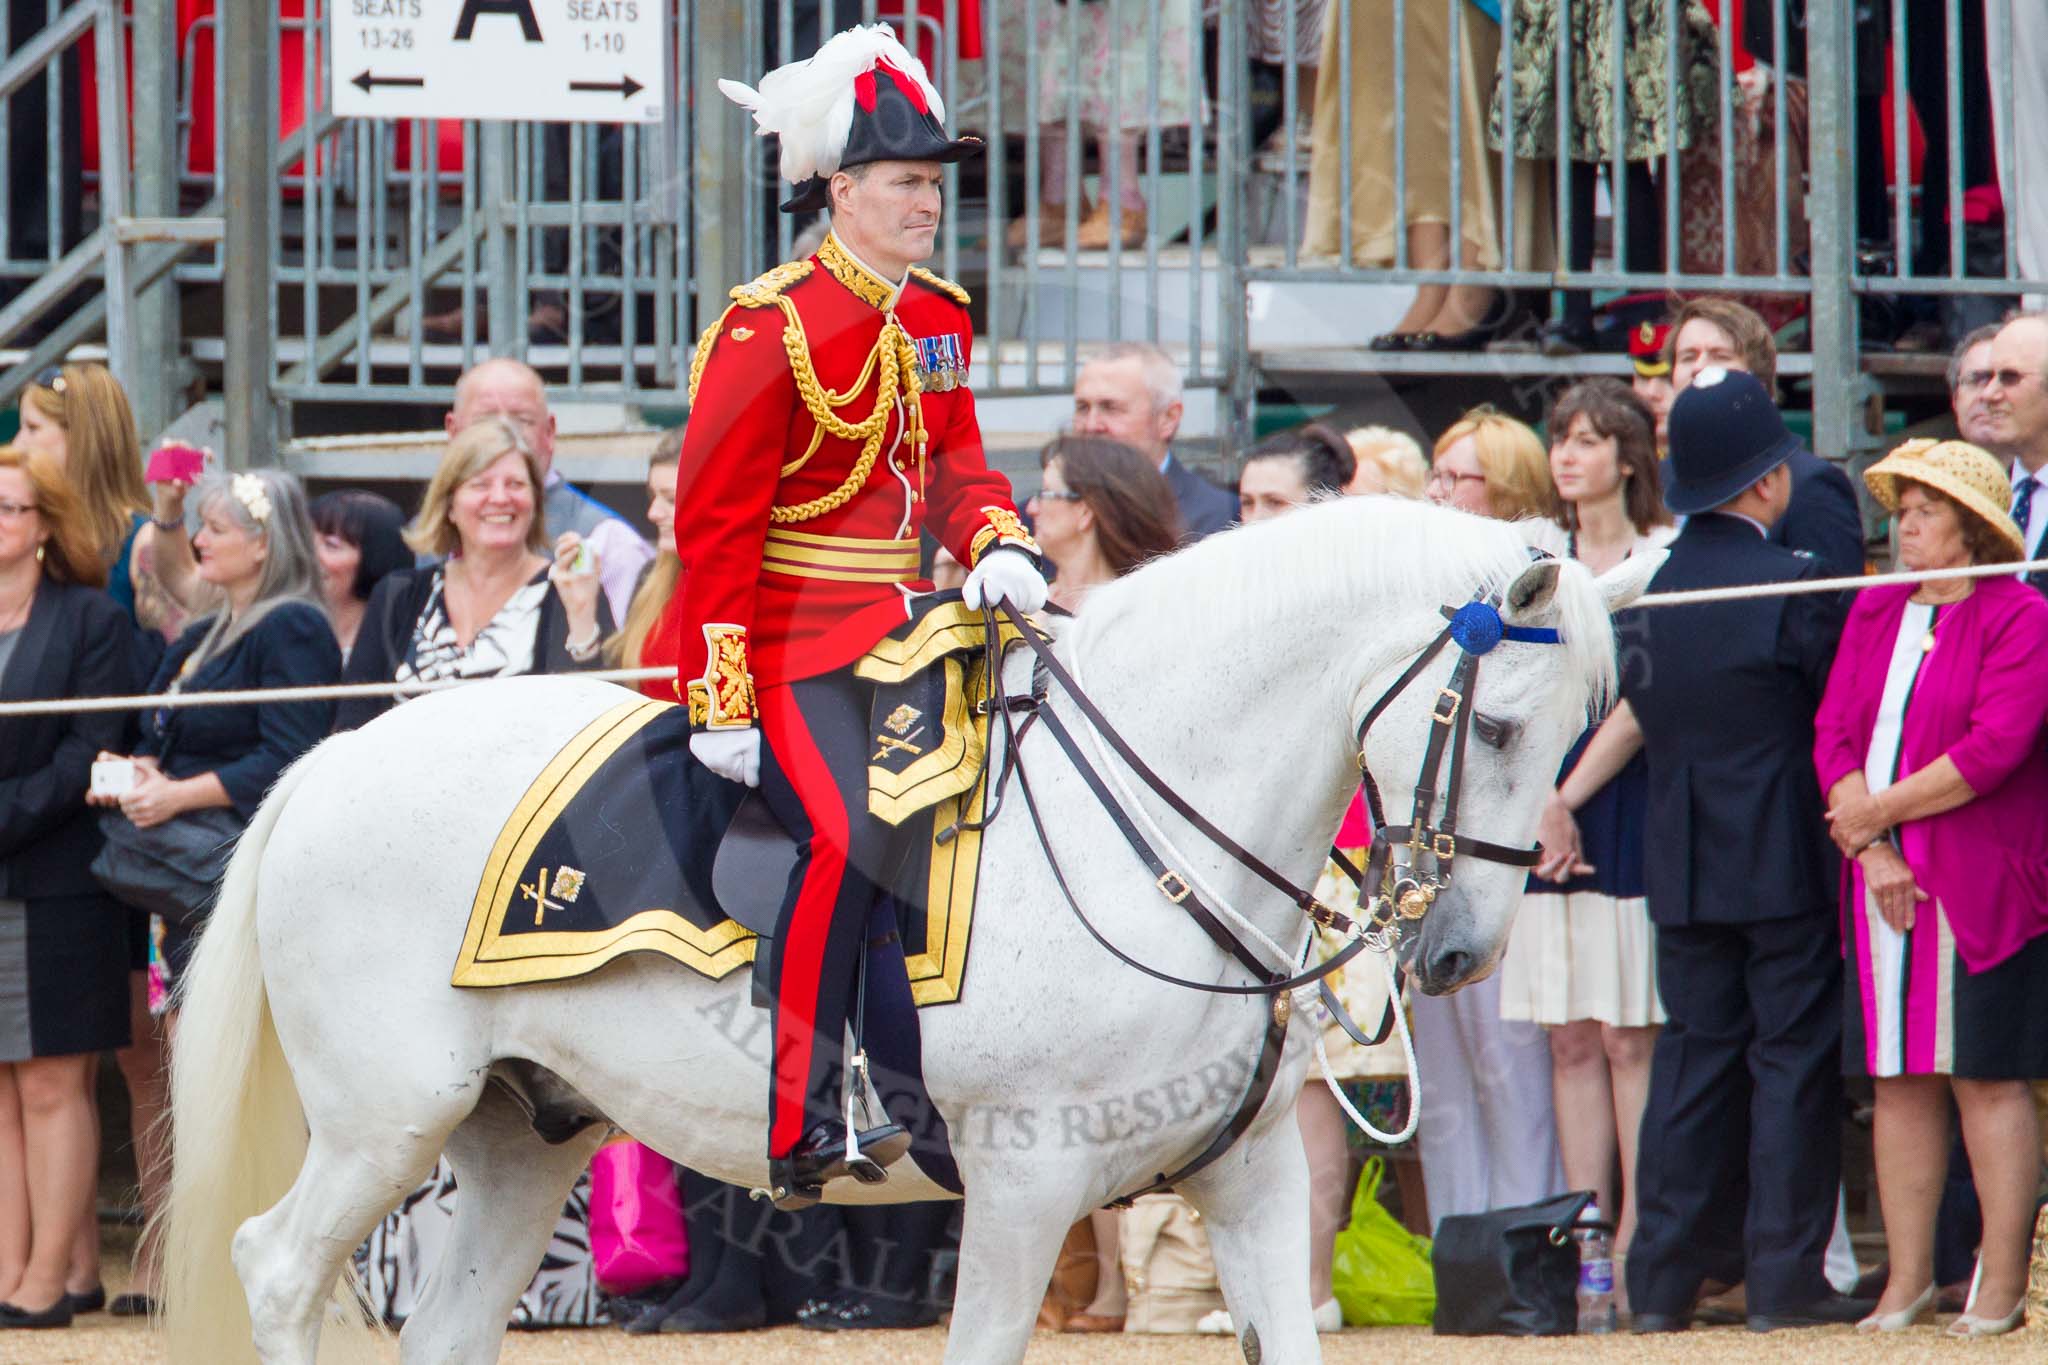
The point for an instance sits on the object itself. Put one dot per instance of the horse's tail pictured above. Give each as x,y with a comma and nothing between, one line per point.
238,1129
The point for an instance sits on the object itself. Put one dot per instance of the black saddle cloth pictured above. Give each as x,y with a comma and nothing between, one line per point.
611,851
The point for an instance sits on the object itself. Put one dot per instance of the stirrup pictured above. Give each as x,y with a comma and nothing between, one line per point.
784,1193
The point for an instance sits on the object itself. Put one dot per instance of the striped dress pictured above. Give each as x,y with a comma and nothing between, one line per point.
1915,1008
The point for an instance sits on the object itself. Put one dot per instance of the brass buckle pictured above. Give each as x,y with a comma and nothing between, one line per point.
1446,709
1176,896
1443,846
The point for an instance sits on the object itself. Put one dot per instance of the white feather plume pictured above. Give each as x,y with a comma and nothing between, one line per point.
809,104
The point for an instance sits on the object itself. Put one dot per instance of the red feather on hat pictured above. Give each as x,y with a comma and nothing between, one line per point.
809,104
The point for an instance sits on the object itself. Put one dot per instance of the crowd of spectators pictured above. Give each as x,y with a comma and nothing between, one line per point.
1677,966
1516,126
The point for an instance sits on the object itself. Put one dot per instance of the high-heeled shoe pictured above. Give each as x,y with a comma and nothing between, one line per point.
1971,1325
1500,317
1901,1320
57,1314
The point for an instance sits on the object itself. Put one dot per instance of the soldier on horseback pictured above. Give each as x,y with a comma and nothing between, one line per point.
830,423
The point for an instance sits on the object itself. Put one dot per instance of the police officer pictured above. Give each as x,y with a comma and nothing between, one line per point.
1738,1182
830,423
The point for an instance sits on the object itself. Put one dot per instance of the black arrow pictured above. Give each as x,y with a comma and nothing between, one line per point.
626,87
366,82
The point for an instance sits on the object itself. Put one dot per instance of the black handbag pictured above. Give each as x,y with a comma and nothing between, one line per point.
1509,1272
172,869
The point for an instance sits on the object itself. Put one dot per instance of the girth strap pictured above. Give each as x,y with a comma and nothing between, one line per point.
1263,1072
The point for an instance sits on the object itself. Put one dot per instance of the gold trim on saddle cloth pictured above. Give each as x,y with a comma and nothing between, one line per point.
844,559
935,973
940,770
943,630
488,958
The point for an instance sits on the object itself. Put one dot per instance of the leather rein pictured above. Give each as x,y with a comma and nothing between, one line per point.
1426,846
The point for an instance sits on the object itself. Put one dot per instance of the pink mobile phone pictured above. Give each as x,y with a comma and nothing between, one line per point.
175,462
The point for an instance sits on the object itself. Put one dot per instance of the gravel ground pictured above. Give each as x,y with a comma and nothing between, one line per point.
101,1339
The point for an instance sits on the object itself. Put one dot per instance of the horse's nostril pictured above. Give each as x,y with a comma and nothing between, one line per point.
1451,968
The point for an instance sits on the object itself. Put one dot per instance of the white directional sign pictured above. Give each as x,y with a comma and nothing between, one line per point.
585,61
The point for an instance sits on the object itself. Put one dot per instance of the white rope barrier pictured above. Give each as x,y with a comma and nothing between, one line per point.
334,692
1695,596
347,691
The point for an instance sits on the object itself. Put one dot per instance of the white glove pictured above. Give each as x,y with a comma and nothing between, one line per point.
734,755
1005,574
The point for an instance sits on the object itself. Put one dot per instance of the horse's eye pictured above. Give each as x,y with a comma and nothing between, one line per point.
1492,731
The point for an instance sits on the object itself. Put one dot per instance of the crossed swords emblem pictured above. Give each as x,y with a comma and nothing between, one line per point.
556,895
900,722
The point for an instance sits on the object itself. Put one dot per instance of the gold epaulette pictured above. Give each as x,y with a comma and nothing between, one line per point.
942,284
762,291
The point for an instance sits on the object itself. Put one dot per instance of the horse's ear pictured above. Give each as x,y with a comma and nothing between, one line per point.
1628,580
1532,590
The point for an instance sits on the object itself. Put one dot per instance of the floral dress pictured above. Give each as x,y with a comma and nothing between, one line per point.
1112,80
1647,121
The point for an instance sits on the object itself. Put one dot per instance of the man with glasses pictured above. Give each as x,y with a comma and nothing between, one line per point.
513,390
2015,423
1969,376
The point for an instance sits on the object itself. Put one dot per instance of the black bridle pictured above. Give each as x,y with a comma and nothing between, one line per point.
1407,866
1417,880
1424,872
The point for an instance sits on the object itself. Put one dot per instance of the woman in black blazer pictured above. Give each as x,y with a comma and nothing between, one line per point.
256,547
63,943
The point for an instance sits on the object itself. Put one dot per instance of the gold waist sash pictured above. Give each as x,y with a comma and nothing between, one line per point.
845,559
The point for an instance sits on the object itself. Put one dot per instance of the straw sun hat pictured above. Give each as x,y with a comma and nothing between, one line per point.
1968,476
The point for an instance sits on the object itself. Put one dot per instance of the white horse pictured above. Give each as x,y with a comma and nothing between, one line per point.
323,1060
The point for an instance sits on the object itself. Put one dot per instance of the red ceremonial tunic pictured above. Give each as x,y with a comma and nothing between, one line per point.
795,562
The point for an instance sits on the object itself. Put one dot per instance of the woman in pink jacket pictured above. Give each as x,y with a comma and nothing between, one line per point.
1929,745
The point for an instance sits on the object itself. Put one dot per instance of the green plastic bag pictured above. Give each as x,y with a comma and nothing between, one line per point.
1380,1270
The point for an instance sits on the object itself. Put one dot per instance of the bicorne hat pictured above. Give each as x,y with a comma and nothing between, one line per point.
1725,435
861,98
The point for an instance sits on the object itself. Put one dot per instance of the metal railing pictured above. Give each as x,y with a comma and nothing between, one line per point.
623,239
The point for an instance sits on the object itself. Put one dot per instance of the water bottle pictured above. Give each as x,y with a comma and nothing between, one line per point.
1596,1272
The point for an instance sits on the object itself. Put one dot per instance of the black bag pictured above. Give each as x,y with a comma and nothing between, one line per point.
172,869
1509,1272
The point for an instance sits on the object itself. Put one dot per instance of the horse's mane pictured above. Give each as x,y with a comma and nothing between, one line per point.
1345,555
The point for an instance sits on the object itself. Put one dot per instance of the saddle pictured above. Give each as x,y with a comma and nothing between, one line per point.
626,844
929,723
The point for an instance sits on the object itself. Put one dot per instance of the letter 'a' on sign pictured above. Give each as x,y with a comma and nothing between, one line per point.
559,61
522,10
